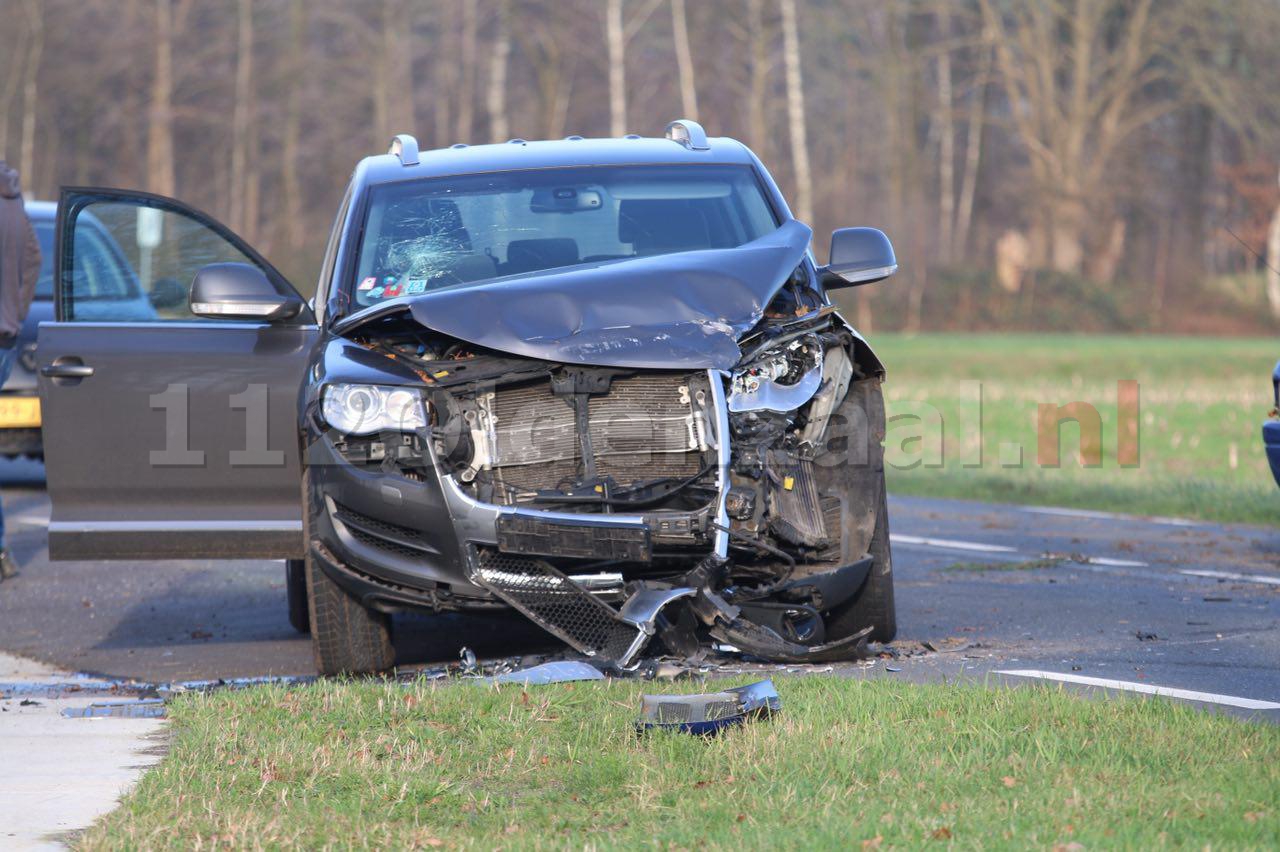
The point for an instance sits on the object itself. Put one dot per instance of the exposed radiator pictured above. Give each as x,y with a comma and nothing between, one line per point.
647,426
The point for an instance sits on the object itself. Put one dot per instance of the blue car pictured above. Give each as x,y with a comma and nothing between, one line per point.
1271,428
20,417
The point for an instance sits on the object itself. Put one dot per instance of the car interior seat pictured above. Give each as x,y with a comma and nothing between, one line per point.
534,255
659,226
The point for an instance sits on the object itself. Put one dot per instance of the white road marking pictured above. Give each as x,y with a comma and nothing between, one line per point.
1117,563
1107,516
1148,689
29,520
951,544
1070,513
1231,575
1174,522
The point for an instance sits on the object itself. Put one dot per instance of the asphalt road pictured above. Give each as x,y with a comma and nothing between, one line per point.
1151,602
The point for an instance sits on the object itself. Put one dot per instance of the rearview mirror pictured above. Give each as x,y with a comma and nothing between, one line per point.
858,256
240,291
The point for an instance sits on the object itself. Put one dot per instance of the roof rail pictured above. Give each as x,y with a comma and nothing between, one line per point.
688,133
405,147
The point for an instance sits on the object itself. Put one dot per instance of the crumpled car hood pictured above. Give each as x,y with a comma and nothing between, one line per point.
672,311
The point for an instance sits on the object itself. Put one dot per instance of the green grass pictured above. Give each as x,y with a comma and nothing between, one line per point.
848,762
1203,401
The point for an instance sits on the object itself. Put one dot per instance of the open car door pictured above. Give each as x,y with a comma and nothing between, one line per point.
167,433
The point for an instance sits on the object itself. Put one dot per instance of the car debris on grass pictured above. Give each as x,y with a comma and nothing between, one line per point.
710,713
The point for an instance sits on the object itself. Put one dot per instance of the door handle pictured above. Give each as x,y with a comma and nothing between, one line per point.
67,367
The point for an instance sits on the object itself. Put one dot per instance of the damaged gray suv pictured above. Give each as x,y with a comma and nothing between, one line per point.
596,381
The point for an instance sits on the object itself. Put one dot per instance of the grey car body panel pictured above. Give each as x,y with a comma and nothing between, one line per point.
155,455
111,500
672,311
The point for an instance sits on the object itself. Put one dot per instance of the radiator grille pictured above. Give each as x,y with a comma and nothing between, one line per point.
643,428
555,603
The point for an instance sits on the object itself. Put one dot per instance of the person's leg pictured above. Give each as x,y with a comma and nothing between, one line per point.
7,566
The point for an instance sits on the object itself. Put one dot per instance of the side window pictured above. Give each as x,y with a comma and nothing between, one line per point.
44,234
133,263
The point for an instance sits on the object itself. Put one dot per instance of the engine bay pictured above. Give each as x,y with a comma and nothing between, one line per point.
618,484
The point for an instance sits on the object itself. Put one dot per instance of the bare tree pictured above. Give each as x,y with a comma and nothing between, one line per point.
466,95
393,109
946,142
160,171
616,41
30,83
501,51
618,32
9,89
684,59
796,112
1273,263
761,65
976,122
244,178
289,148
1079,78
553,63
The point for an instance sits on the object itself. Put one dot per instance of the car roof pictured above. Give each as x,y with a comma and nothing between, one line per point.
41,209
560,153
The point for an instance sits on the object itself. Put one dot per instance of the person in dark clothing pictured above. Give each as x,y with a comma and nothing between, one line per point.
19,268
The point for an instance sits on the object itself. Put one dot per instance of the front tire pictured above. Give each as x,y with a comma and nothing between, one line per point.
346,636
295,590
858,482
873,605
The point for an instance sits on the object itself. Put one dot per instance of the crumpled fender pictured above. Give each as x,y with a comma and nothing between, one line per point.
674,311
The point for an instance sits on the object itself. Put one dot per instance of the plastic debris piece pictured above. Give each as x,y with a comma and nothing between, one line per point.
559,671
144,708
709,713
468,659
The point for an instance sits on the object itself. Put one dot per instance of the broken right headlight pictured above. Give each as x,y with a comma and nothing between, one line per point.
366,409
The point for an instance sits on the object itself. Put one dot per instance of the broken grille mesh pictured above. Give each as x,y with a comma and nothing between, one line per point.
555,603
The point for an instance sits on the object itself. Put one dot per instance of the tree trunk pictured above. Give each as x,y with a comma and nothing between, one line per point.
466,104
9,90
796,112
946,143
241,119
35,47
497,97
976,120
684,60
393,107
292,126
616,41
1067,234
757,128
160,176
1273,264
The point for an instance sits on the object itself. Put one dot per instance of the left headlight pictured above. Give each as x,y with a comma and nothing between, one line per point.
365,409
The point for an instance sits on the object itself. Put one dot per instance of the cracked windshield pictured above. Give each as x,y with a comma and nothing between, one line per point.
433,234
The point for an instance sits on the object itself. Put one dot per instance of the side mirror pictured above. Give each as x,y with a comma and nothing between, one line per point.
240,291
858,256
167,292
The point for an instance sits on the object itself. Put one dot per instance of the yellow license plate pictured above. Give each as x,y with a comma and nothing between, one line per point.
19,412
